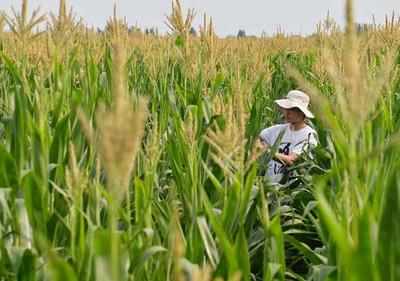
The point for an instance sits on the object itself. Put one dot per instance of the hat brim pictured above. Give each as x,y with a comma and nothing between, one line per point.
287,104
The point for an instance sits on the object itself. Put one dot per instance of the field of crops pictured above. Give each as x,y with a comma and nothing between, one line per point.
130,156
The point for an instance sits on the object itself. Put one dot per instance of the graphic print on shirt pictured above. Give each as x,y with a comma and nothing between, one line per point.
283,149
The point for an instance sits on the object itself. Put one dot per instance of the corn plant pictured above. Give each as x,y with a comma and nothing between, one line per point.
130,156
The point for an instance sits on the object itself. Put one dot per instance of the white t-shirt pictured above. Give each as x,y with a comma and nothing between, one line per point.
292,142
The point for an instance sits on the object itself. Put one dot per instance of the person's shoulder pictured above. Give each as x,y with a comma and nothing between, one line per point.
277,127
311,134
272,131
308,129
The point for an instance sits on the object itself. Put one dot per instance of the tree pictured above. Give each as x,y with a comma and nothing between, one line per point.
241,33
193,31
151,31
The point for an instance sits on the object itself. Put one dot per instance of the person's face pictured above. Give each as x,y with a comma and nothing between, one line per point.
293,115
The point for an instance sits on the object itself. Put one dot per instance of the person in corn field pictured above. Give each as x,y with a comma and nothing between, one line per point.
290,139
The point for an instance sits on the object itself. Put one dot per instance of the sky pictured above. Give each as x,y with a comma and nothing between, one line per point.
253,16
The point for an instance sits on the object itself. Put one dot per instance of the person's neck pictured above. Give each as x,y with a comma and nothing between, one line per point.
297,126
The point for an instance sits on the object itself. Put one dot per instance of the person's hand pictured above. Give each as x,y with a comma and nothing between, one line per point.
260,146
287,159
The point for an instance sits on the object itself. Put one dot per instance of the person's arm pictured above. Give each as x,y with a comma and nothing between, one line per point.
260,144
287,159
299,148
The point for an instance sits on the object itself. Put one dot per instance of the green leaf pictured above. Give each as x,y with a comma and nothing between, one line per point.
218,82
179,41
305,250
242,253
11,67
102,242
19,129
274,251
208,241
223,237
148,254
36,207
213,179
231,207
321,272
39,156
8,169
60,270
59,144
273,269
329,219
388,255
27,267
245,200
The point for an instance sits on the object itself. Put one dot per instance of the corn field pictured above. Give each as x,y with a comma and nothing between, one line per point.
131,156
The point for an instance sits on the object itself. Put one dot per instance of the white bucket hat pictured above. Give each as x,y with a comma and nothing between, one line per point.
296,98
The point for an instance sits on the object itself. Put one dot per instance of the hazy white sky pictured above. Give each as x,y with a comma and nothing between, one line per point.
253,16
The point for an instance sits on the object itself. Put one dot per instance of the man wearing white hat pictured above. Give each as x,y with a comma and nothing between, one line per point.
294,137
